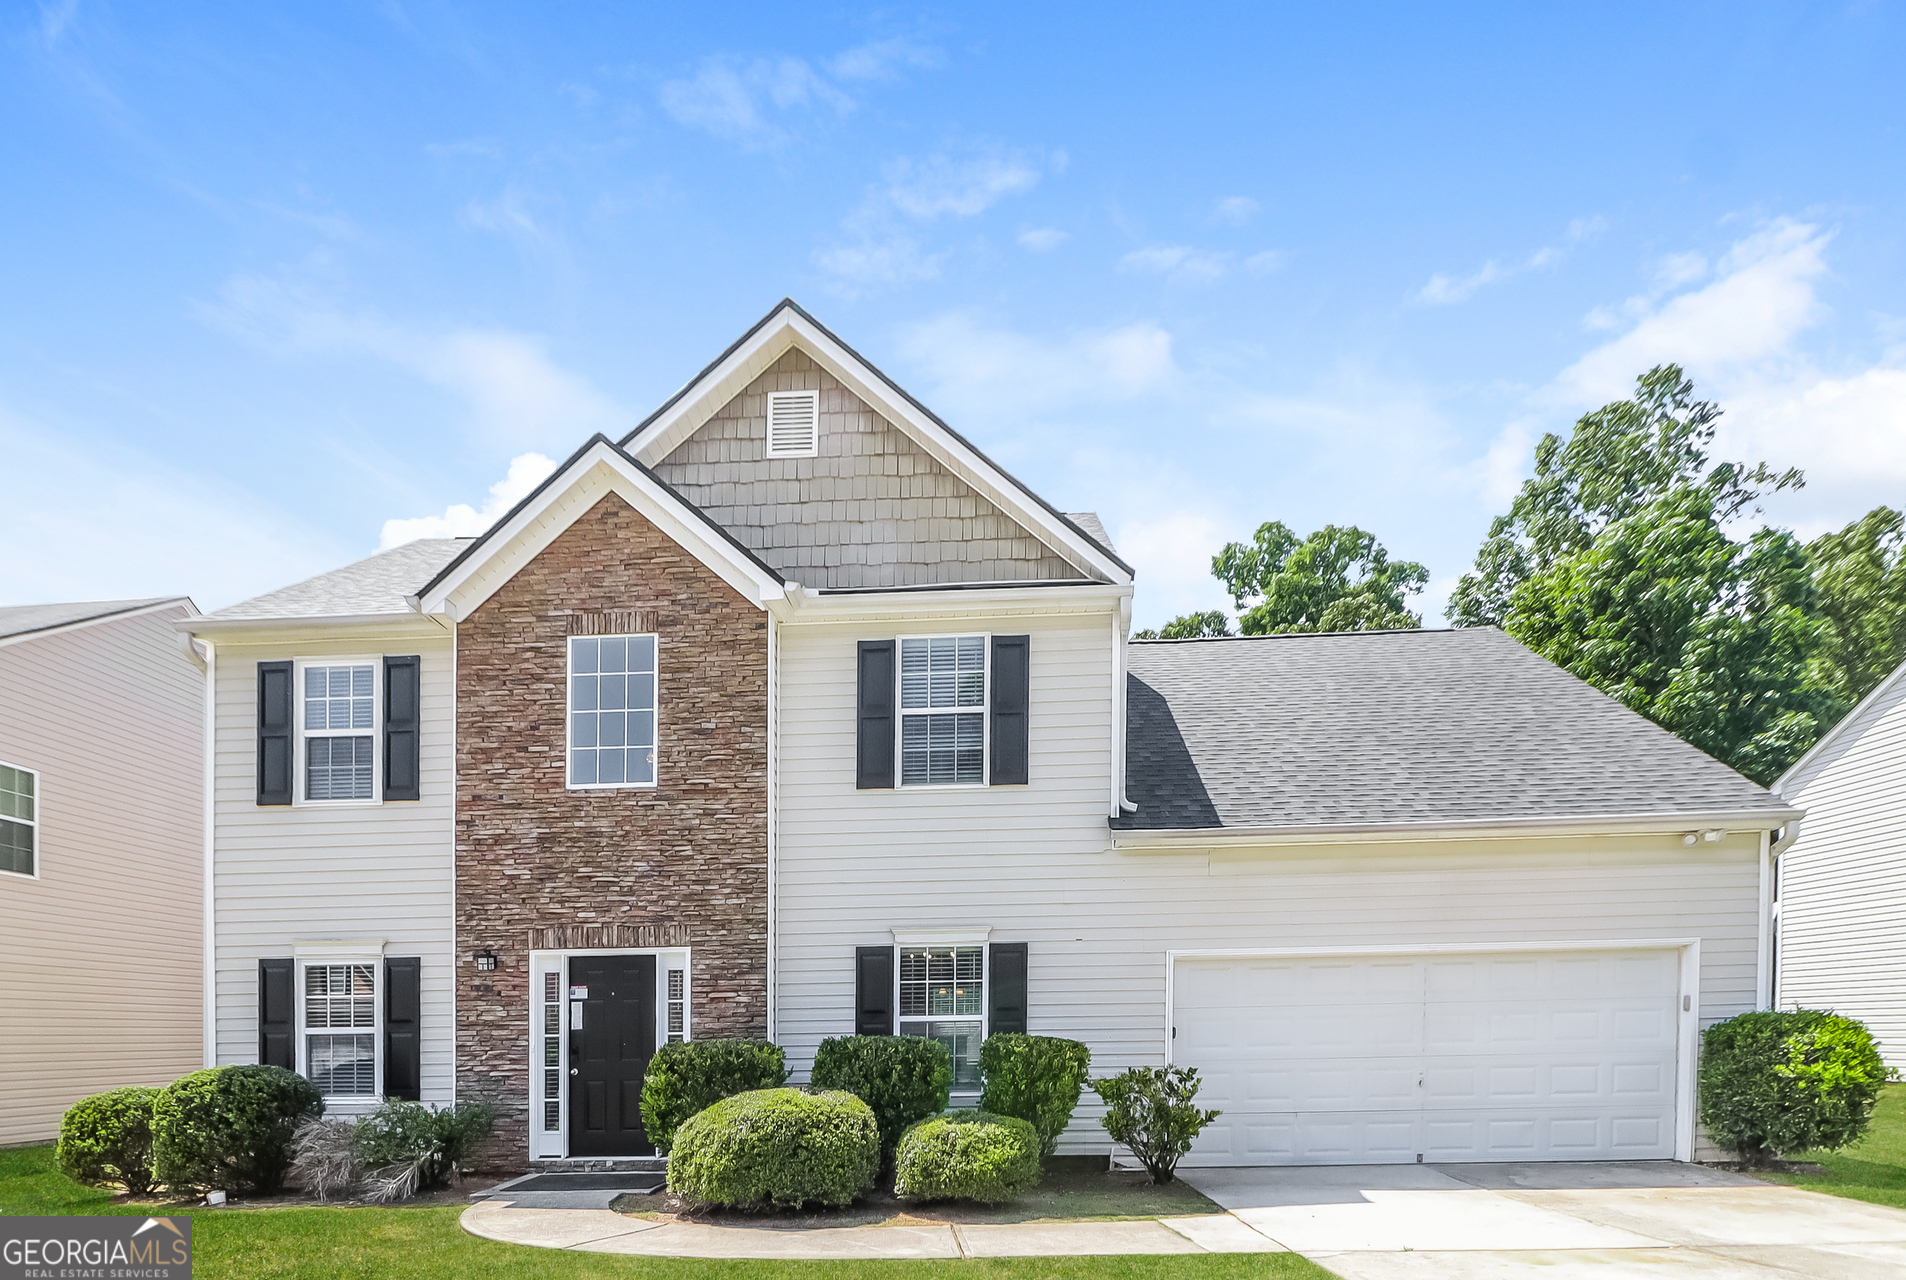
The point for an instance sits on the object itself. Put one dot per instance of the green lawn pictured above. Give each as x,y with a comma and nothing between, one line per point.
1873,1169
352,1244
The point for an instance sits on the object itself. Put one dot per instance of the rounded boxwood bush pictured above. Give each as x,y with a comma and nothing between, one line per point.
1776,1082
685,1078
107,1138
1036,1078
230,1127
903,1078
967,1155
779,1147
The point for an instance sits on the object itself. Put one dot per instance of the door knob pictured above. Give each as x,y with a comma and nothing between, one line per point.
575,1071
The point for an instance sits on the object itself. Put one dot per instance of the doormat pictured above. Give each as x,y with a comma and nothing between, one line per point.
633,1183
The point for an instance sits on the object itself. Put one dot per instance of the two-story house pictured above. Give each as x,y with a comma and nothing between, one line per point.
792,714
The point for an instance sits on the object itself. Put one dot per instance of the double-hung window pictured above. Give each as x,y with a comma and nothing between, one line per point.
19,820
339,1032
612,711
943,711
338,730
942,997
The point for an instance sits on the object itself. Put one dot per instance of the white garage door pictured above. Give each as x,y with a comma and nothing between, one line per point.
1548,1055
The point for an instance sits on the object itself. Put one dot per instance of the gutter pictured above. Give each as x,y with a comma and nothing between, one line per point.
1698,825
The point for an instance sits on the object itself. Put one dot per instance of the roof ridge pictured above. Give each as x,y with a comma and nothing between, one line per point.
1313,635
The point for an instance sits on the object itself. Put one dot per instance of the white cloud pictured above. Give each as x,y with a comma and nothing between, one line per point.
1179,263
460,520
1042,239
960,186
1262,264
877,258
882,60
1234,210
978,367
1445,290
513,389
1171,552
732,99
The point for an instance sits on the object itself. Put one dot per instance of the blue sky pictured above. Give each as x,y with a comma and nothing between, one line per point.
275,277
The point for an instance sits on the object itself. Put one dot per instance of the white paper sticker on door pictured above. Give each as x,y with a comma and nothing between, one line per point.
575,1017
579,993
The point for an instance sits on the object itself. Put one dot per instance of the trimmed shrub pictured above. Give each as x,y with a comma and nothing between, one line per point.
1772,1083
778,1147
685,1078
230,1127
1036,1078
967,1155
903,1078
107,1138
408,1147
1150,1110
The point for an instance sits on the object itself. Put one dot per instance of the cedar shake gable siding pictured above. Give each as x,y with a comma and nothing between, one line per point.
541,866
874,509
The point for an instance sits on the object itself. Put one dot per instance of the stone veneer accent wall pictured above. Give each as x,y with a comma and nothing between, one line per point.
537,864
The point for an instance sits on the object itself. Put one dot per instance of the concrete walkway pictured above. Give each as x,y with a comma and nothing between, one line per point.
1659,1220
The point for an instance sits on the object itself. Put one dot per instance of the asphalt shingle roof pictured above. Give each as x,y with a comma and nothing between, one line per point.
19,619
377,584
1094,528
1394,727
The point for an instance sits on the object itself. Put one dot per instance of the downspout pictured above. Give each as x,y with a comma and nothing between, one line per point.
206,655
774,807
1121,627
1764,951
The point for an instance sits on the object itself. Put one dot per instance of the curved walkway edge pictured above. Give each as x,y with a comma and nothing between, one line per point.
605,1231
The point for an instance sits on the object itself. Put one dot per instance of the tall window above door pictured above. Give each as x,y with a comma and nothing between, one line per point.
943,711
612,711
338,718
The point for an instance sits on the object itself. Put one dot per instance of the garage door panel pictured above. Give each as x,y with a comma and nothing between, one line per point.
1494,1057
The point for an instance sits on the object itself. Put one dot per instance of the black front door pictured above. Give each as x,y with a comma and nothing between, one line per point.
611,1037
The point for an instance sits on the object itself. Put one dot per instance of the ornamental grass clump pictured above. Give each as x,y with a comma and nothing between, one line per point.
1036,1078
107,1139
684,1078
1151,1110
230,1128
776,1148
903,1078
1773,1083
967,1155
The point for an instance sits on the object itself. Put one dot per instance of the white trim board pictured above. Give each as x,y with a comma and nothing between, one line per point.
1688,1027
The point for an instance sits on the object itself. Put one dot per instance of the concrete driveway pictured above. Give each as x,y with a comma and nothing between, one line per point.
1559,1221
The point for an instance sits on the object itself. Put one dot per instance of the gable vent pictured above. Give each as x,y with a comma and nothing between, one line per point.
794,424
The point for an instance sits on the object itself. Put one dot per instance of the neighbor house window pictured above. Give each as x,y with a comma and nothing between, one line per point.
612,711
941,998
339,739
19,820
943,711
340,1029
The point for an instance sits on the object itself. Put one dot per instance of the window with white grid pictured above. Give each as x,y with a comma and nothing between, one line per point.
942,997
338,715
19,820
943,711
340,1029
612,710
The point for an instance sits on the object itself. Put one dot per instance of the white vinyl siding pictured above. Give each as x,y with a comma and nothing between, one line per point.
1842,939
378,872
103,948
1035,864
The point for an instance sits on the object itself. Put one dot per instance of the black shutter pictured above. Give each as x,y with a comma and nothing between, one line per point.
1012,685
274,733
873,740
277,1012
403,714
402,995
873,991
1006,987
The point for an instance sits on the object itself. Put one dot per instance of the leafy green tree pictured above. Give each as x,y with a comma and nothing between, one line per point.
1338,579
1619,460
1613,563
1860,574
1189,626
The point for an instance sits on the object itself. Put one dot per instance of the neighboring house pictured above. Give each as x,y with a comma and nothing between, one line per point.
1841,907
791,714
102,854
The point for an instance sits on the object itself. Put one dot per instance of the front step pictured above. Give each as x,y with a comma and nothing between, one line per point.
602,1164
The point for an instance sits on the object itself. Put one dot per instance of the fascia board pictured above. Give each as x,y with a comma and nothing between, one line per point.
331,627
117,615
788,327
1838,731
802,608
1203,838
530,530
